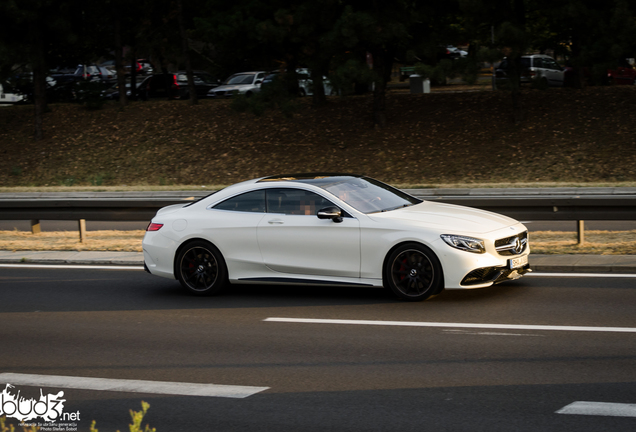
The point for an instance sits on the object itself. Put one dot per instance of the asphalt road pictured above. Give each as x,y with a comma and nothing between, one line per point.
128,325
47,225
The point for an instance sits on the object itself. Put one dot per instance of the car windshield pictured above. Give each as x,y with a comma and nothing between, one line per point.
367,195
240,79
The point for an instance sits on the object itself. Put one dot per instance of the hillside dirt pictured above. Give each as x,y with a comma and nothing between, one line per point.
583,136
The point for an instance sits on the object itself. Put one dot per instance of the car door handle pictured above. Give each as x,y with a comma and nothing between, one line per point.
275,222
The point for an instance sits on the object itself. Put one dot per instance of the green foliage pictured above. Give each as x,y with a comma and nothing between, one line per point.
274,95
137,418
89,93
11,428
349,74
448,69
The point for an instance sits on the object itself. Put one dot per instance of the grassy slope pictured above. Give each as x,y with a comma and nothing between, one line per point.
568,136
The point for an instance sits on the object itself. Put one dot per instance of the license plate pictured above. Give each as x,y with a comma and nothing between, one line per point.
518,262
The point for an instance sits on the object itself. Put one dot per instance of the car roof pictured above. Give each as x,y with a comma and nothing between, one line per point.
306,177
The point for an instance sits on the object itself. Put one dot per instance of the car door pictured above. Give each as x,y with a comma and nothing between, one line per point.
553,72
293,240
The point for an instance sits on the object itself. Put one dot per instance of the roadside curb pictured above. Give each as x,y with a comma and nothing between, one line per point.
619,264
583,263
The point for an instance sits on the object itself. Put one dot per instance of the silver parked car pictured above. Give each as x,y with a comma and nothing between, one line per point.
246,83
536,67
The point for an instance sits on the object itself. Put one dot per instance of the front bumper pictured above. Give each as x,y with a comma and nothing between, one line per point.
493,275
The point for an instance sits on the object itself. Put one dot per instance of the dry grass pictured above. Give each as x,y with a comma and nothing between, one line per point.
542,242
128,241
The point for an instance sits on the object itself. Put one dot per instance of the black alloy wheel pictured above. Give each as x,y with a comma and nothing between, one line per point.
413,273
201,269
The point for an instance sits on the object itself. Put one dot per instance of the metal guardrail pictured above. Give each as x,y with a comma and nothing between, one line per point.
527,204
522,204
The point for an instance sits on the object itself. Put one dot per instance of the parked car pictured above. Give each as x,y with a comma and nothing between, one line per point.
85,73
175,85
537,67
141,83
8,95
246,83
143,66
22,85
305,83
332,229
624,74
454,52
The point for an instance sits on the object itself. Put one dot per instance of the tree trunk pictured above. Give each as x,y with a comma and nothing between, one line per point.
318,98
186,54
39,81
382,63
119,64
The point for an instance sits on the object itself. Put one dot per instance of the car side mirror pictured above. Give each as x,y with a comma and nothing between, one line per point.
333,213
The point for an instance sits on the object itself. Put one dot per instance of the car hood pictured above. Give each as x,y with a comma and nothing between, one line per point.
449,218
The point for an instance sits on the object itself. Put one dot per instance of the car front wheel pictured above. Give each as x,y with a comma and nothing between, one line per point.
413,272
200,268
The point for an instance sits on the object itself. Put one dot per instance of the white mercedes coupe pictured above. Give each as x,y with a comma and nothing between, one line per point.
332,229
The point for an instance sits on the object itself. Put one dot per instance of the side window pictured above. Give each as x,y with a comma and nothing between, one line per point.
551,64
295,202
253,202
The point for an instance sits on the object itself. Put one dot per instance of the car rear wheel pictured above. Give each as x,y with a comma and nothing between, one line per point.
413,272
200,268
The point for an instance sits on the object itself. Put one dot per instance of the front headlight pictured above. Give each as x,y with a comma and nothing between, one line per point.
468,244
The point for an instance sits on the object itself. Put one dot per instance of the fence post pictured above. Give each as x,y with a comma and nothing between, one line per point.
82,230
580,232
35,226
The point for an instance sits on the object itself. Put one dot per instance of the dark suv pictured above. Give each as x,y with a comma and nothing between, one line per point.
175,85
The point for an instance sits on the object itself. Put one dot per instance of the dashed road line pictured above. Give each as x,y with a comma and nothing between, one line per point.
133,386
599,409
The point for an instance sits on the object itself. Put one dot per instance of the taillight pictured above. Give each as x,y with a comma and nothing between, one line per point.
154,226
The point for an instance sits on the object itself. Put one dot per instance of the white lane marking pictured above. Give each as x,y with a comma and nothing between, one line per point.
133,386
457,325
76,266
586,275
466,332
599,409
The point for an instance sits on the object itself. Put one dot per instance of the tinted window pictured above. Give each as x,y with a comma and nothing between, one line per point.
248,202
551,64
295,202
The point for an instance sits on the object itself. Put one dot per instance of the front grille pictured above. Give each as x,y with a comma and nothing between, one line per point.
513,245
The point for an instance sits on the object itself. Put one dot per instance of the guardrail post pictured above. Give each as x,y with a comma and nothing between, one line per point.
35,226
580,232
82,230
